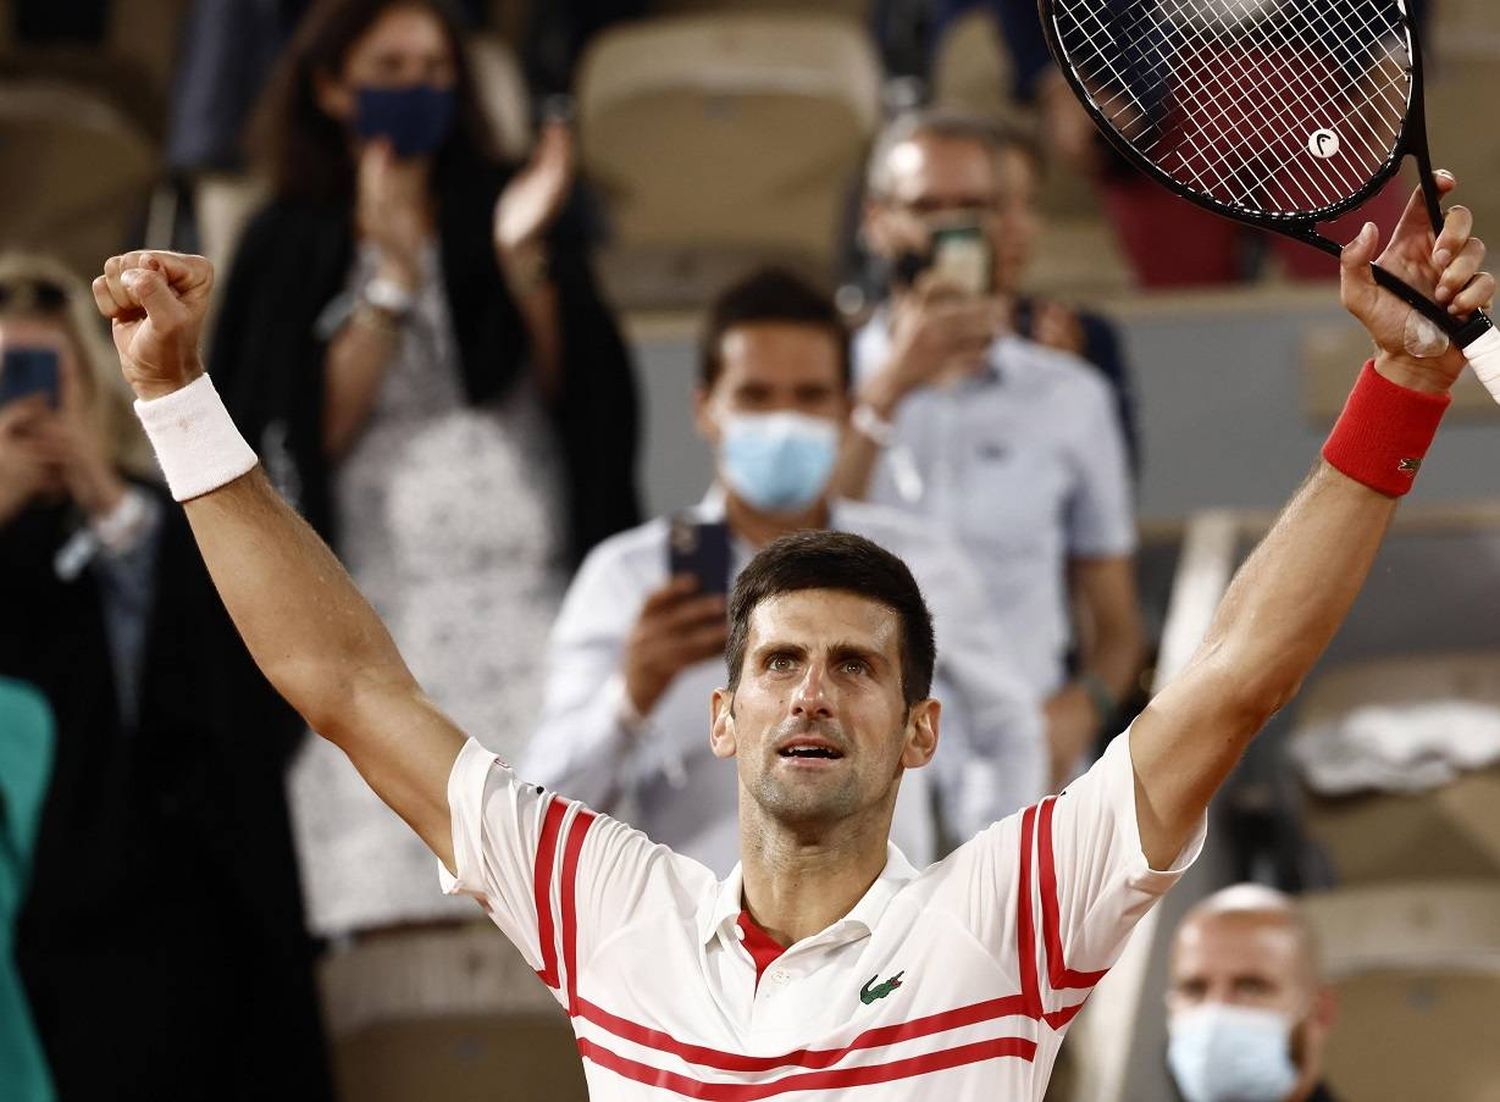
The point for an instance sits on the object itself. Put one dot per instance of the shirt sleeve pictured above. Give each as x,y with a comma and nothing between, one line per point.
550,873
1100,511
1060,886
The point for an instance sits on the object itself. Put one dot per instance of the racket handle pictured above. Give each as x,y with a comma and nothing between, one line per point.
1483,354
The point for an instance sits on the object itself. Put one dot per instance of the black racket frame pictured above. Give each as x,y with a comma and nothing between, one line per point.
1303,227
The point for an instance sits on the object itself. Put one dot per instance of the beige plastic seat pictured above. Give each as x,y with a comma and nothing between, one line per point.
1417,969
1077,255
77,172
455,1014
722,140
132,67
1452,831
850,9
972,69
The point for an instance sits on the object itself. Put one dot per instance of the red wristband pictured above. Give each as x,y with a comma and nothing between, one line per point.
1384,432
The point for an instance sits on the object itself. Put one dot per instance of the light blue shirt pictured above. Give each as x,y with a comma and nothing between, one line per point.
1026,463
659,774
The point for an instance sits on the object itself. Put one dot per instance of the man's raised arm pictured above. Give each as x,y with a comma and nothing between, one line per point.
1291,595
312,634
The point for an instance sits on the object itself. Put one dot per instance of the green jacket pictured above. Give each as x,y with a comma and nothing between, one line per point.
26,742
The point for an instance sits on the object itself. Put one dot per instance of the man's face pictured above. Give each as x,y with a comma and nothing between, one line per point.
769,367
1247,960
818,724
935,180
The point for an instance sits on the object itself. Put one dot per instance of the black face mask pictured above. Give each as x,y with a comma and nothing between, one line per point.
415,118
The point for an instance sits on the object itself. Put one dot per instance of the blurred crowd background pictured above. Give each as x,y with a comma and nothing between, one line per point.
546,315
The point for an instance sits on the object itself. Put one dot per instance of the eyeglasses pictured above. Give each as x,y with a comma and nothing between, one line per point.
28,296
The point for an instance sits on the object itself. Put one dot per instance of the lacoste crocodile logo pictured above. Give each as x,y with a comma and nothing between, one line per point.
868,993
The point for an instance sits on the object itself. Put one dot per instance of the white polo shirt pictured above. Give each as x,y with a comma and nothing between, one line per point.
957,982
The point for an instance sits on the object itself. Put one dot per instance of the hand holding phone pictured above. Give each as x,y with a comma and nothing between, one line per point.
683,622
27,370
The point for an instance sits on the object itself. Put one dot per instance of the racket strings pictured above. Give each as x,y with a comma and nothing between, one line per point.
1208,124
1279,106
1217,127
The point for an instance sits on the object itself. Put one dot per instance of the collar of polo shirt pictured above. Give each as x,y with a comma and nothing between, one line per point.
721,913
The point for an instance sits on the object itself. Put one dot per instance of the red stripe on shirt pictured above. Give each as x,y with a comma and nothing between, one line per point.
1026,1003
1012,1006
576,834
1061,976
1025,926
835,1079
541,882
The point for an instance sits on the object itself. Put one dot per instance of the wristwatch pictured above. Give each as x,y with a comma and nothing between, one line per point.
389,297
868,423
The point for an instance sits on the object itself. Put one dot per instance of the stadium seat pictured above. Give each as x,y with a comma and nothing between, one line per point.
1451,831
1077,254
131,66
850,9
723,140
972,70
1417,970
77,172
451,1013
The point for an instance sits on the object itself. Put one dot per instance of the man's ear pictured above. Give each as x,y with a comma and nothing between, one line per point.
921,733
873,234
721,737
703,415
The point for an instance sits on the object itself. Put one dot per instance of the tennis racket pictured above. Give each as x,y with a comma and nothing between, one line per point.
1276,113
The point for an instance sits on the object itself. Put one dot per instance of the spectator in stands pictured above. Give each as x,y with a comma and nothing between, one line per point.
162,941
1249,1015
444,343
635,648
1082,333
1015,445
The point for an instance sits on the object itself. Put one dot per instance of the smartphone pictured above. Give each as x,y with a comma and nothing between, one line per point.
25,371
962,258
702,550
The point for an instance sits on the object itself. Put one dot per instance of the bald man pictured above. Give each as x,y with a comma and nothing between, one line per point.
1248,1013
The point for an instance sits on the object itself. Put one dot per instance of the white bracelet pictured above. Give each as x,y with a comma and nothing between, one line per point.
871,425
195,440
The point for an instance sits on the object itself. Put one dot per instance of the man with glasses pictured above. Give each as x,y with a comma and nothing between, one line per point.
1015,445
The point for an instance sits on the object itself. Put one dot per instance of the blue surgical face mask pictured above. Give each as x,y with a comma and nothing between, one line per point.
1223,1053
414,118
778,462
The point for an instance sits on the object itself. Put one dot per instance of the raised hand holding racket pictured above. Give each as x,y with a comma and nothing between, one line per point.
1445,269
1280,114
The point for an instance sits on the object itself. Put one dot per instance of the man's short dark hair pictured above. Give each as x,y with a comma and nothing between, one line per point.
845,562
770,295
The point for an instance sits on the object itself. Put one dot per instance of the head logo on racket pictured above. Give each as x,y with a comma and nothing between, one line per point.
1323,143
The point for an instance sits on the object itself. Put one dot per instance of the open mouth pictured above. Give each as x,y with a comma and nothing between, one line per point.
808,752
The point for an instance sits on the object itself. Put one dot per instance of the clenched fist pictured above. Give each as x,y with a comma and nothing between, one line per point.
156,302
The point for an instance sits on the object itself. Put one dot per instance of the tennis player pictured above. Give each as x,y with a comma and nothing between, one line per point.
825,965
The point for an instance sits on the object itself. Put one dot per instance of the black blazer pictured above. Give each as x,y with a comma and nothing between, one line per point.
161,941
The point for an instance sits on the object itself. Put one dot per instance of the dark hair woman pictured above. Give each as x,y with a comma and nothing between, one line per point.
411,337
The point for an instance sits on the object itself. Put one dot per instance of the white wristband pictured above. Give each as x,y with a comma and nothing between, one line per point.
196,443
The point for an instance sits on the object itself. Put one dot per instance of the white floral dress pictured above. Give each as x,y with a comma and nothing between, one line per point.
450,521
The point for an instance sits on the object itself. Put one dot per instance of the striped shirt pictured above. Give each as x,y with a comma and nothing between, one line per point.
957,982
